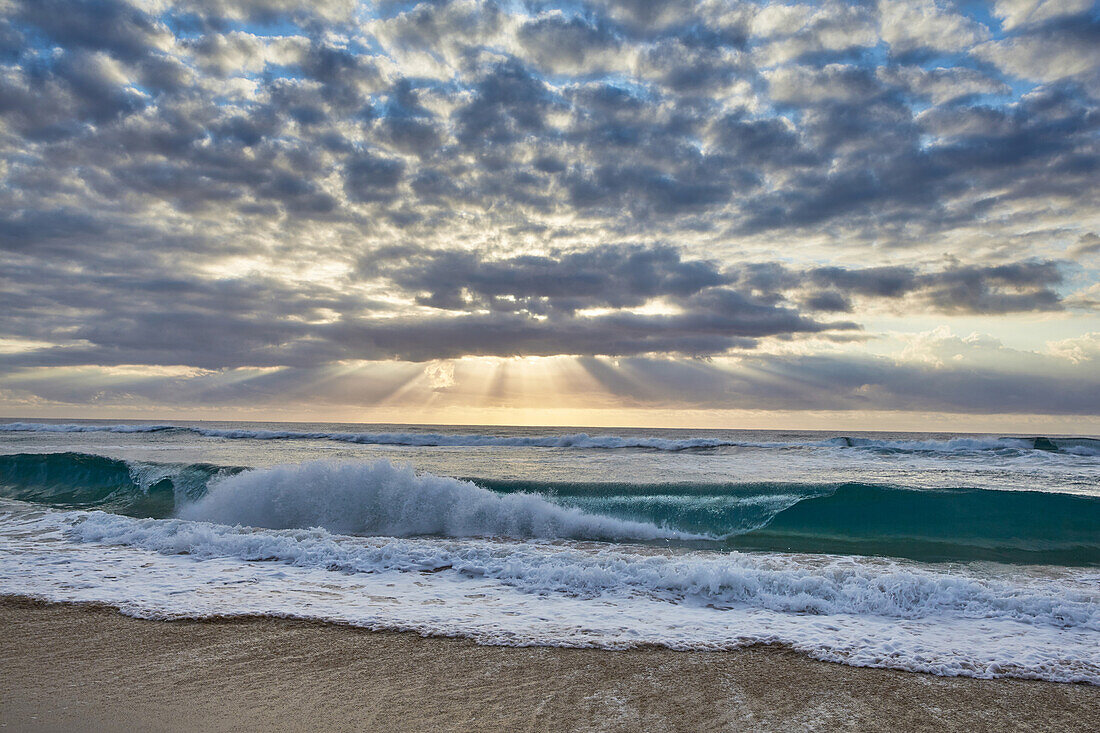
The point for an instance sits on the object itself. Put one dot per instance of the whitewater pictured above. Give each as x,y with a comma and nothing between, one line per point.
947,554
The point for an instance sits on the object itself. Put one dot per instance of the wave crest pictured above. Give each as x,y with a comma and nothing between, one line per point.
381,498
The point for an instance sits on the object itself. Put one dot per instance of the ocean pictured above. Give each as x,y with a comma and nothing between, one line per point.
974,555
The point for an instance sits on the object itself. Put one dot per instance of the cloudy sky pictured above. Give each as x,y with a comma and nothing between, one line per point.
717,213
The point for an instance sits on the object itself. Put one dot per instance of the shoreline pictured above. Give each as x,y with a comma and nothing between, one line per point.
68,666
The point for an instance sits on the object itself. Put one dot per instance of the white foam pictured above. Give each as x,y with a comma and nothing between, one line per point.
986,623
380,498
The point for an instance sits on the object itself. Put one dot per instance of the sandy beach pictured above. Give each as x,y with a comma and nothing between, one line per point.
68,667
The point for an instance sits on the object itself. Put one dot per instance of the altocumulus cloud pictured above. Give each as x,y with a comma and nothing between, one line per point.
263,184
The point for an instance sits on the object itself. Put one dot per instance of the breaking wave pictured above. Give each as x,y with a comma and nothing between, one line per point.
383,499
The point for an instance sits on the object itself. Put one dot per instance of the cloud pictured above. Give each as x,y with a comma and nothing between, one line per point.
1015,13
111,26
528,306
617,300
943,85
370,177
909,26
559,44
268,10
225,54
629,276
1020,286
615,276
1064,48
262,184
1088,244
584,114
1015,287
830,32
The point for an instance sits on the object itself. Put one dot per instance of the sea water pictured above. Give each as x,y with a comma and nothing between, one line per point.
969,555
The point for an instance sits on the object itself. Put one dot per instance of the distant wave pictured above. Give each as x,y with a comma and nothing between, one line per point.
380,499
1007,445
41,427
577,440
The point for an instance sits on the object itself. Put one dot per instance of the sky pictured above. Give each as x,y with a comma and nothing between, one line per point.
860,215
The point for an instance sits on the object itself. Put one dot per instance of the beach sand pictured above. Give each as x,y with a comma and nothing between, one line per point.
78,667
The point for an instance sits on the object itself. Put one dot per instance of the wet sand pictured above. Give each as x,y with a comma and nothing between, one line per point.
66,667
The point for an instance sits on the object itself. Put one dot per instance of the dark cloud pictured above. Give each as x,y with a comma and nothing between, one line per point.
525,306
884,282
572,302
114,26
1015,287
1020,286
771,143
508,104
370,177
626,276
219,13
827,301
25,230
49,101
557,42
721,322
617,277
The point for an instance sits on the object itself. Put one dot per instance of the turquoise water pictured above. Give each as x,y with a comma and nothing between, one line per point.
930,524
